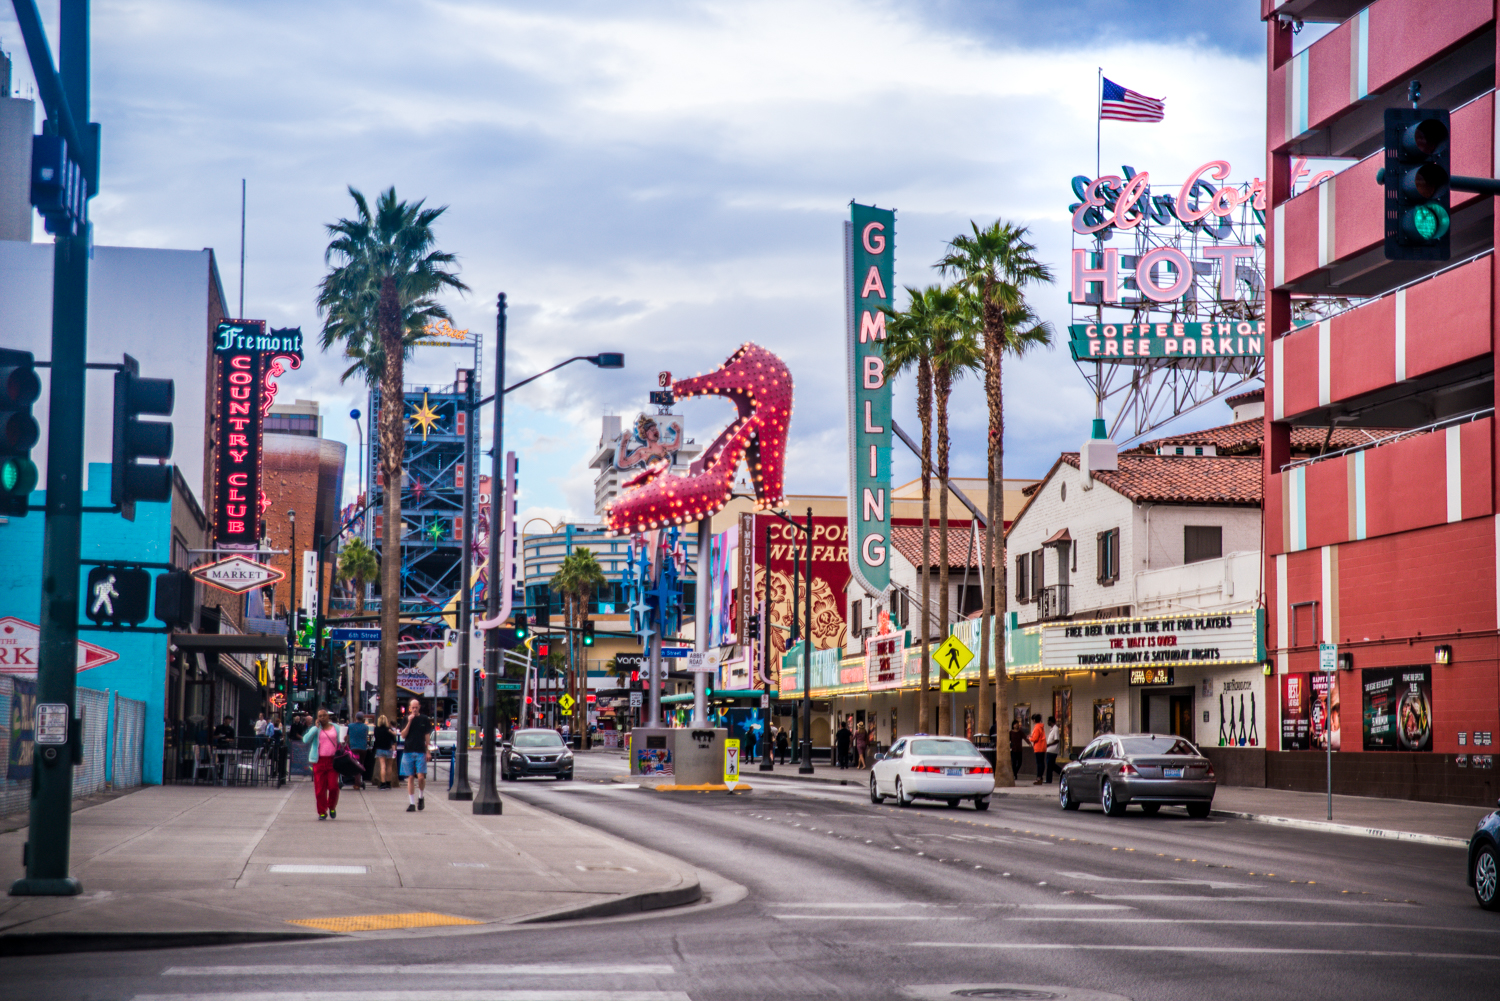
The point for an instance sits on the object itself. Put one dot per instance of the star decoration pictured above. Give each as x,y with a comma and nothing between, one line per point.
435,531
424,416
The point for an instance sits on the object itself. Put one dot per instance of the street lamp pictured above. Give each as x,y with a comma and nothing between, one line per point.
805,742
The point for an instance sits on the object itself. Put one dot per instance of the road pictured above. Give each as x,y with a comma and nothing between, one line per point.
817,893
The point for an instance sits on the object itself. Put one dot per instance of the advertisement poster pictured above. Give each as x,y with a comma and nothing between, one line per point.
1325,711
830,576
1104,716
653,761
1397,708
653,438
1296,712
1062,709
22,732
1021,713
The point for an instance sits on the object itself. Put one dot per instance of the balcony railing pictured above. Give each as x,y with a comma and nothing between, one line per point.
1052,602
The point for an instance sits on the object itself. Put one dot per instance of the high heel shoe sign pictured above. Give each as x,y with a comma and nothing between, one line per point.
761,387
869,257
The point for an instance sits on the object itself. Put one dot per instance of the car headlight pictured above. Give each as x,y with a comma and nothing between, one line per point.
565,754
518,755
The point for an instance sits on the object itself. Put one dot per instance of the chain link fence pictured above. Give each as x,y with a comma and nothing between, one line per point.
109,723
128,757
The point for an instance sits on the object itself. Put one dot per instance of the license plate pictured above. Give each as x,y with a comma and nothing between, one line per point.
953,771
1172,773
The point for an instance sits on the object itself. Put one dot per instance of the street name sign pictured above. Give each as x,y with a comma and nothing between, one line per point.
703,662
677,652
355,635
238,574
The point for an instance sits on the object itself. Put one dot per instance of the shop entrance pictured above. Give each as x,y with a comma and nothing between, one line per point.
1168,710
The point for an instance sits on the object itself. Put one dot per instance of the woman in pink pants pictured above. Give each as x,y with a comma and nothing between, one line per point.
322,741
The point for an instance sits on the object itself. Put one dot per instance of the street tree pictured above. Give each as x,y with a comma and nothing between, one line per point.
995,266
359,566
578,579
379,293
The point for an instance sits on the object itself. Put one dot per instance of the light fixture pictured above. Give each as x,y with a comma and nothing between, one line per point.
1442,654
1265,668
1346,661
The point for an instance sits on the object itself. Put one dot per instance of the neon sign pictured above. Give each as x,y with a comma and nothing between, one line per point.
870,253
1114,202
249,359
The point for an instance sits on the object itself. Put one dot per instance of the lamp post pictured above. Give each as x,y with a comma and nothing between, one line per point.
767,760
465,676
806,767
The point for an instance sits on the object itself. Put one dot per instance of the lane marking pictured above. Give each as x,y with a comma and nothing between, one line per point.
1221,949
869,917
321,870
383,922
1251,921
1248,900
417,970
1213,884
522,994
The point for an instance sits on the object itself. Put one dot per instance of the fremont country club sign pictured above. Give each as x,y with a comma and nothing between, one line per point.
248,361
1217,638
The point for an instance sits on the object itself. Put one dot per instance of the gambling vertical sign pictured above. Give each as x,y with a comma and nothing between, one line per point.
248,360
869,255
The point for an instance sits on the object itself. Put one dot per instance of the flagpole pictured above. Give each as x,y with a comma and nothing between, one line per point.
1099,123
1099,240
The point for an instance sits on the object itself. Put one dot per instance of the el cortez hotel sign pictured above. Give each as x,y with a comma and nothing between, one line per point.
869,256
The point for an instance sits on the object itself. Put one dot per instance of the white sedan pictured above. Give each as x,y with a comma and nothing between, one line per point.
923,767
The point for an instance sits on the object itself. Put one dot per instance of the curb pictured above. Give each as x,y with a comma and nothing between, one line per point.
707,787
52,943
1332,828
634,903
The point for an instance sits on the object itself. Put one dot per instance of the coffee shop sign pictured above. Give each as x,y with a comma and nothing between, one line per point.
1116,202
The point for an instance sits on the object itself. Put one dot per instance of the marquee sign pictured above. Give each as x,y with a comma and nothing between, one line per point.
1158,641
238,574
869,255
249,359
1224,339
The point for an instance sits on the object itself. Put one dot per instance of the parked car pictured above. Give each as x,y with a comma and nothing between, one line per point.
1150,769
922,767
535,752
1484,861
444,743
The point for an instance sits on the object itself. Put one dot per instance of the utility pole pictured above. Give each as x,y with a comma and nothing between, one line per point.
65,95
768,760
465,677
700,622
322,656
487,800
806,767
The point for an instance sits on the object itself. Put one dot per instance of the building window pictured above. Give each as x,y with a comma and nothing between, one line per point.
1109,556
1202,542
1038,571
303,424
1304,623
1023,578
859,614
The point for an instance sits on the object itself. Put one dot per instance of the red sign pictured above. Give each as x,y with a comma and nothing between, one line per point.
830,573
248,360
18,648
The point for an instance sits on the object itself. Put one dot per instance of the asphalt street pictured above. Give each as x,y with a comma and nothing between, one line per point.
817,893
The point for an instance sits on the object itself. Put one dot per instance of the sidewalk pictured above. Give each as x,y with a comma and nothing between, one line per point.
202,865
1408,820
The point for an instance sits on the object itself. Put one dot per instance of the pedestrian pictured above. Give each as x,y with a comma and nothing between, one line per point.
224,733
747,747
783,745
861,746
1054,746
359,743
1017,742
385,752
261,723
322,743
1039,746
414,757
842,743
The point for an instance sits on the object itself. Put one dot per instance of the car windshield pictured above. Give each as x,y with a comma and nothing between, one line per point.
447,737
1140,746
960,748
544,739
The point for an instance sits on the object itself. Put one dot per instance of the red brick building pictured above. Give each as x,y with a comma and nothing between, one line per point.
1387,547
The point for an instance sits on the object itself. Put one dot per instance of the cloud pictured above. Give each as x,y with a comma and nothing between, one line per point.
666,179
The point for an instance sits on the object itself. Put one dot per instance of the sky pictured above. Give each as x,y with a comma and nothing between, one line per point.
667,179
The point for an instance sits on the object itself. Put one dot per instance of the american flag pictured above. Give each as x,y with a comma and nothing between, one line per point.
1120,104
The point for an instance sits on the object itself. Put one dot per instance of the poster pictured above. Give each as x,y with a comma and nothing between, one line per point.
1325,710
830,577
1296,712
652,439
1062,709
1397,708
1021,713
1239,716
22,732
1104,716
653,761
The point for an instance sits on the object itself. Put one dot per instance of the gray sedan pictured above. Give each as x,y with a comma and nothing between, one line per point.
1145,768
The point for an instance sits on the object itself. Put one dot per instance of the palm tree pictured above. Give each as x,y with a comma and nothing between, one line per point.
577,580
377,296
995,266
357,564
908,345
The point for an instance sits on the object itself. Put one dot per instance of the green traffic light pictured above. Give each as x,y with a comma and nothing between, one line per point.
1426,223
17,476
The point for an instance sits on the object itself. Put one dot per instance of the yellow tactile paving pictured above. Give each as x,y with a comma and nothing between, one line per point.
383,922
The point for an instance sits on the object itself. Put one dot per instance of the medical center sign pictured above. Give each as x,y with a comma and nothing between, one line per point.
249,359
869,256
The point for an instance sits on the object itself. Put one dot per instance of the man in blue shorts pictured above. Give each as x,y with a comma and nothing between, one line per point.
414,757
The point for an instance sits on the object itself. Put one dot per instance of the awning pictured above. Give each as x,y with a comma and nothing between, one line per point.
1058,538
720,693
228,643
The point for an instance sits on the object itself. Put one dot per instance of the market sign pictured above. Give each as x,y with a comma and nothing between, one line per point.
1225,339
19,640
869,255
248,359
1155,641
238,574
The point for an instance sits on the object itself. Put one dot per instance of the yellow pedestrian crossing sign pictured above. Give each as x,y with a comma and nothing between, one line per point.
953,685
566,701
953,656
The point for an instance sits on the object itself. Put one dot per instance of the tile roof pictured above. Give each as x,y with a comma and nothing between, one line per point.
1245,437
908,542
1182,479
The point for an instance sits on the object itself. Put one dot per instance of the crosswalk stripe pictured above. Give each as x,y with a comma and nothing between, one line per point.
423,969
1247,949
522,994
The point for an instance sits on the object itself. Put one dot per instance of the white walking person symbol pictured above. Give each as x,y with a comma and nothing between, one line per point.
104,597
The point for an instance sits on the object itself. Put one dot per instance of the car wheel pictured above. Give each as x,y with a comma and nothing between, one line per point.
1487,878
875,796
901,799
1150,809
1064,796
565,778
982,803
1107,800
1199,810
953,804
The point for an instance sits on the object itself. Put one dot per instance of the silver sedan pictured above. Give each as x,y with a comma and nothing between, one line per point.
1150,769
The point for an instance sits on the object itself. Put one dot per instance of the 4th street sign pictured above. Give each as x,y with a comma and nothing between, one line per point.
238,574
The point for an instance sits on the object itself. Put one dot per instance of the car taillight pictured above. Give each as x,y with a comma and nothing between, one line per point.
925,768
1211,771
982,770
1128,769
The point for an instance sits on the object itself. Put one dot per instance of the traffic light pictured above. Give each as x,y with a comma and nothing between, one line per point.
1416,176
118,595
588,632
174,598
543,648
523,629
59,190
752,624
543,607
136,439
19,431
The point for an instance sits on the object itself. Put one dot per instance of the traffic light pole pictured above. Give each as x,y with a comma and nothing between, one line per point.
1477,185
465,678
50,833
487,799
